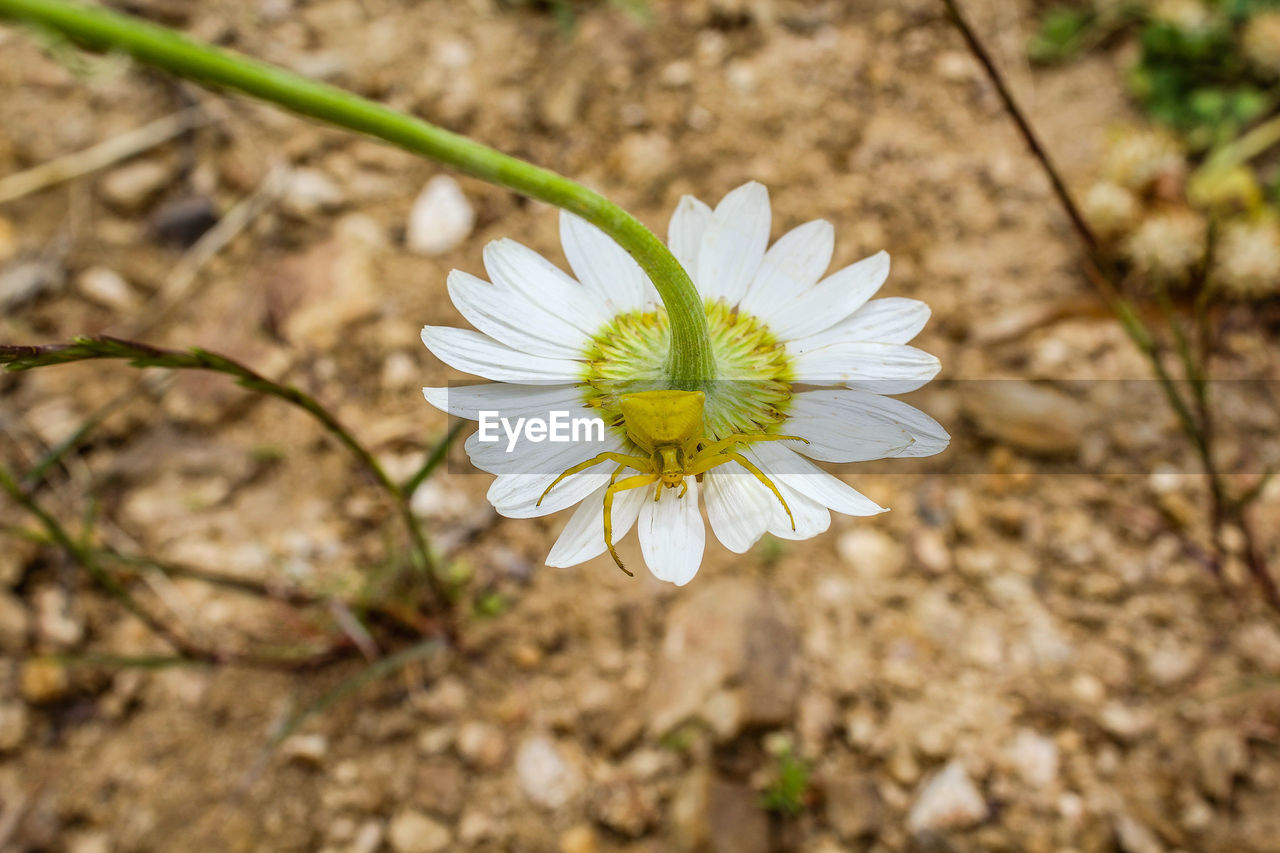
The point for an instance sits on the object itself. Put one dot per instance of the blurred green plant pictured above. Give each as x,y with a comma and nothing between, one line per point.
788,791
490,604
380,600
1196,72
19,358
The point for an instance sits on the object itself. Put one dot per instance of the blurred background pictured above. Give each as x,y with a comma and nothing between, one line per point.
1047,645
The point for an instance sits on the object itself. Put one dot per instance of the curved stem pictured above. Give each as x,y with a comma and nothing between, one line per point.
690,362
143,355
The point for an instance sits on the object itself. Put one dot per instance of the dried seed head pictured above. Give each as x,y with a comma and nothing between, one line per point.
1141,159
1247,259
1111,209
1189,16
1168,245
1261,43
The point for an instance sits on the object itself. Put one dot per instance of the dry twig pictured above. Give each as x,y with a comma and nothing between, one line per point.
103,154
1193,418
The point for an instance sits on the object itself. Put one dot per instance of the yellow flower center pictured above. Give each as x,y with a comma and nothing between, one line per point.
754,379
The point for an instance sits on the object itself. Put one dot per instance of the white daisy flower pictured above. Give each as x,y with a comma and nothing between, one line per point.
796,354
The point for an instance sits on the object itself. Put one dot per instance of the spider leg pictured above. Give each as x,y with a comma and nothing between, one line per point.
615,485
623,459
727,442
705,461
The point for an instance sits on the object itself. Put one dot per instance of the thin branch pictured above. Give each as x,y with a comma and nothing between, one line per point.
1197,422
979,50
372,672
294,597
1255,561
36,474
185,648
102,578
433,460
376,670
103,154
145,355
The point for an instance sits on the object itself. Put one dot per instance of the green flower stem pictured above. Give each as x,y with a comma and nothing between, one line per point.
94,28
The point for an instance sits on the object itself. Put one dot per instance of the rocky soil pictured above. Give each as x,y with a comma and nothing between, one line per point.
1019,657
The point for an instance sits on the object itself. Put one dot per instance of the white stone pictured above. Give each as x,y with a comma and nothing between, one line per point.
481,744
1133,837
411,831
56,622
949,800
677,74
475,827
870,552
308,192
1260,643
306,749
399,370
368,837
132,185
1034,757
1168,663
107,288
440,219
1123,721
546,777
88,842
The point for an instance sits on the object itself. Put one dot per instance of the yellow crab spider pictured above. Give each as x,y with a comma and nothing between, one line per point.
668,426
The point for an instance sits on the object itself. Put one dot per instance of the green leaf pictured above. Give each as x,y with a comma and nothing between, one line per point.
1061,34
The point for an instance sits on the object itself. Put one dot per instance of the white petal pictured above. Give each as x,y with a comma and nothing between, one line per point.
882,368
672,535
511,319
739,506
734,243
786,467
472,352
467,401
831,300
790,267
892,320
927,435
583,537
519,269
839,429
516,495
811,517
603,267
684,234
525,456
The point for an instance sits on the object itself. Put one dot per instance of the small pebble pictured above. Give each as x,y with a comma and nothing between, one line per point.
131,186
949,800
440,219
411,831
42,681
546,776
107,288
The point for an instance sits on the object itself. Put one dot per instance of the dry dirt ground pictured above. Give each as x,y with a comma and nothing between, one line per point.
1018,657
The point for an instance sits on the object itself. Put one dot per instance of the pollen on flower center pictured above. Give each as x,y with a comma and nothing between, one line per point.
753,385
